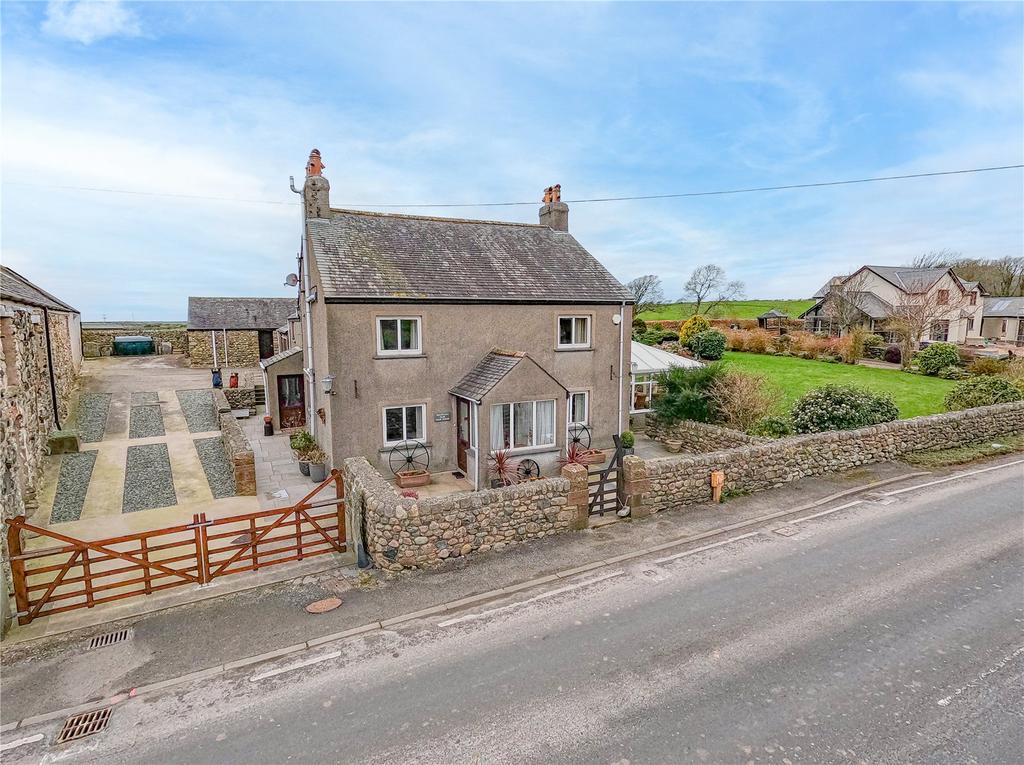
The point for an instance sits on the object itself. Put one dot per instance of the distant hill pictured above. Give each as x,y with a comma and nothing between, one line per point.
732,309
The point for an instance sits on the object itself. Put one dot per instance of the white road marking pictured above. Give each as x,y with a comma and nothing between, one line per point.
1006,660
953,478
21,742
520,604
706,547
293,667
826,512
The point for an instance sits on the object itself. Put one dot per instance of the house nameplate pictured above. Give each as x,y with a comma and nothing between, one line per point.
442,416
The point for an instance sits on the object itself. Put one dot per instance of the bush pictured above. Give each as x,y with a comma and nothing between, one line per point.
953,373
1014,372
627,439
685,393
742,399
936,357
983,390
873,341
301,442
772,426
987,366
893,354
735,339
757,341
669,337
709,344
639,325
693,326
841,407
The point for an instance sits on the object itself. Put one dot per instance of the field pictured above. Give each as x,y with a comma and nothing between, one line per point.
732,309
915,395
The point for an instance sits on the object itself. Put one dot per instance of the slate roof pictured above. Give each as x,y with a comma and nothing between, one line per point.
774,313
482,378
280,356
868,302
909,279
827,287
238,312
1003,307
376,256
14,286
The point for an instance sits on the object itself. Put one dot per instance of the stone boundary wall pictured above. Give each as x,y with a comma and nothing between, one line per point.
699,437
402,532
104,338
240,455
241,398
669,482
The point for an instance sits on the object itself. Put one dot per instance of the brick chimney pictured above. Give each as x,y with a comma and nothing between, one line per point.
555,212
316,192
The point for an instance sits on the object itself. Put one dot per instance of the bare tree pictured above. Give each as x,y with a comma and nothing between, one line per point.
920,313
708,287
1001,276
844,304
647,293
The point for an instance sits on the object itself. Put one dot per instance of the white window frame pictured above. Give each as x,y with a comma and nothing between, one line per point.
574,343
586,407
512,425
384,423
650,384
400,351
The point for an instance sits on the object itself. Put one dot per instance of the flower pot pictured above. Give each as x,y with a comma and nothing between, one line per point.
627,450
317,471
304,467
408,479
674,445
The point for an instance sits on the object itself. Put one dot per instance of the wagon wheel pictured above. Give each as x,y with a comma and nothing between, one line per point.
528,469
579,434
408,455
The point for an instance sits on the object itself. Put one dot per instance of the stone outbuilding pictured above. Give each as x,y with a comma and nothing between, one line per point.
236,331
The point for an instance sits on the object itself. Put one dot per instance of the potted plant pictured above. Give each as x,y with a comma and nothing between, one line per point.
410,477
317,464
575,454
504,469
301,443
628,441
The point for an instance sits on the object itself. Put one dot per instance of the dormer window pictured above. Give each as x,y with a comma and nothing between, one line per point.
943,297
398,335
972,298
573,331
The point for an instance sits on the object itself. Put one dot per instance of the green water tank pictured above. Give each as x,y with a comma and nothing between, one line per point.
133,345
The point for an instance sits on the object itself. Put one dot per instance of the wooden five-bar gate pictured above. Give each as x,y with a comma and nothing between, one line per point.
604,485
78,573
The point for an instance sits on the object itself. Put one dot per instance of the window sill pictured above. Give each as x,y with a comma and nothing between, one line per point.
388,356
588,349
388,447
524,450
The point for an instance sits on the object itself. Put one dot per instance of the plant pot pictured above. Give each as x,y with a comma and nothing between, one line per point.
409,479
674,445
627,450
317,471
304,466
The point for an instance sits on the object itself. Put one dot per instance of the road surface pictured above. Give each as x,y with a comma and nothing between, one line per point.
889,631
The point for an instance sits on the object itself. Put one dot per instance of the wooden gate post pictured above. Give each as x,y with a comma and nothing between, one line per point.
17,569
339,489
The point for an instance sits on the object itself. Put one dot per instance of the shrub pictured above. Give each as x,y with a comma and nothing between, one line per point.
695,324
781,344
953,373
936,357
987,366
807,345
301,442
983,390
639,325
652,336
873,341
709,344
735,339
684,393
757,341
841,407
741,399
627,439
1014,372
669,337
772,426
893,354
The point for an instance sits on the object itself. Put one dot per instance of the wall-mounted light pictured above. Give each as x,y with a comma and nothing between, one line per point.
327,381
617,319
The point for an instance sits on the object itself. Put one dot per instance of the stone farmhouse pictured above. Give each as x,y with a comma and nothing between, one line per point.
454,337
237,331
877,291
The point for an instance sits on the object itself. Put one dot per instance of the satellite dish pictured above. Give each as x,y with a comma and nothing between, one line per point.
291,280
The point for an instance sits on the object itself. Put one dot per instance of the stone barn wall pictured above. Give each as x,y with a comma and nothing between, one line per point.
243,348
103,339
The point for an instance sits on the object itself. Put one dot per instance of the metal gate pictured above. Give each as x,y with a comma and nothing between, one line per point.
605,484
81,573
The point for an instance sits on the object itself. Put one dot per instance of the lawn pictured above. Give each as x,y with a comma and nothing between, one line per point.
914,394
733,309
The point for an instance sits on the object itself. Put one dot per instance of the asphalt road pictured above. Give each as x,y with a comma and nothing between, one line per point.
890,631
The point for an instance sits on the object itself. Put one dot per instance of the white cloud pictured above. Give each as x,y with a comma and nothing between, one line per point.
87,21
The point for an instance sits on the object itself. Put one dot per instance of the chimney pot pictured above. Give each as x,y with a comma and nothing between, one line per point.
555,212
317,190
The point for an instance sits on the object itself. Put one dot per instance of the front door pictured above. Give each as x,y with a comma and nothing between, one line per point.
291,402
463,432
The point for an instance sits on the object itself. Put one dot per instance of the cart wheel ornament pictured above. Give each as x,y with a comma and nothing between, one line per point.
528,469
579,434
408,455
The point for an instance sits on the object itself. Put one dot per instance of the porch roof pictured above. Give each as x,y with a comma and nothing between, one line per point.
648,360
1003,307
264,363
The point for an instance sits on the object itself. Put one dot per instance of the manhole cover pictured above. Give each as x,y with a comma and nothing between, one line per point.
323,606
102,641
787,531
82,725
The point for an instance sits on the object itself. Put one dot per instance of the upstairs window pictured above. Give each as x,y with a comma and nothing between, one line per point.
943,297
398,335
573,331
972,298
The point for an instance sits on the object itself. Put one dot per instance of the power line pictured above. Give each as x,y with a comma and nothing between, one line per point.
681,195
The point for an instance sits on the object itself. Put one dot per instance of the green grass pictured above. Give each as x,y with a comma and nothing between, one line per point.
961,455
915,395
732,309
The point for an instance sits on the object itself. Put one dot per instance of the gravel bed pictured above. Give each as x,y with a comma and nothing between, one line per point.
197,407
147,421
145,397
92,416
72,484
218,469
147,479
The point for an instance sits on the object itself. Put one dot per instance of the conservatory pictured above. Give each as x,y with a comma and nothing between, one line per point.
648,363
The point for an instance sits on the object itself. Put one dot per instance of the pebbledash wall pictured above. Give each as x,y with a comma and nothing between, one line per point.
669,482
403,532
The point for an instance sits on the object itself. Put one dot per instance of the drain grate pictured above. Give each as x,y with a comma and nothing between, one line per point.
82,725
102,641
787,531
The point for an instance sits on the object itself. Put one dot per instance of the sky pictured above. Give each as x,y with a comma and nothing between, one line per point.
196,114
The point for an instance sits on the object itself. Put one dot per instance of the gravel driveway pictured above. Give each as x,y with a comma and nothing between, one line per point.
72,484
147,479
197,407
92,416
219,472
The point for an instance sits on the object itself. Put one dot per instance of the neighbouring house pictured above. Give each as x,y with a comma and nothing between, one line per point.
870,297
452,338
647,363
1003,320
40,360
235,331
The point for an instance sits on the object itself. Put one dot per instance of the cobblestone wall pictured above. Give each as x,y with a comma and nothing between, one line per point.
665,483
104,338
243,348
65,371
403,532
698,437
241,398
240,455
